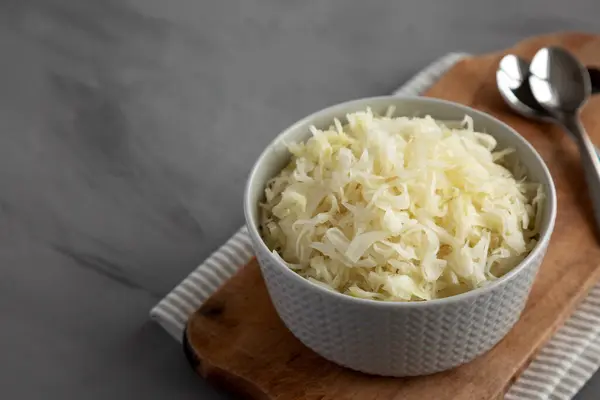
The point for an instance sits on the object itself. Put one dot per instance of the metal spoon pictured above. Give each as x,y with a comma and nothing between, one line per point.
512,79
562,86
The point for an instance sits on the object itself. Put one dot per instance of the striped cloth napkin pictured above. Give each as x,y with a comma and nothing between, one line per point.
559,370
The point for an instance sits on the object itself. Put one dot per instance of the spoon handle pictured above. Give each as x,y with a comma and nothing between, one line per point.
573,136
589,158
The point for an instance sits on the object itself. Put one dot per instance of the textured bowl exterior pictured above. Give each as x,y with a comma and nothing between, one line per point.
397,341
393,338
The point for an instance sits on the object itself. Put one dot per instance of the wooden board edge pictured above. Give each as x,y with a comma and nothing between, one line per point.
233,384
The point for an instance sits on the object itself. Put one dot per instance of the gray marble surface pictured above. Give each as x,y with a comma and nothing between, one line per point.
127,129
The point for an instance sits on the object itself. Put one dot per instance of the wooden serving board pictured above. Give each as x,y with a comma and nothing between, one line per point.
237,340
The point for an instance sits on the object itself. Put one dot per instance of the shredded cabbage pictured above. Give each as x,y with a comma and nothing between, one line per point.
400,209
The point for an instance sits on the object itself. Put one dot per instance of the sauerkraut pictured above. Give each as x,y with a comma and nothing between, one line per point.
400,209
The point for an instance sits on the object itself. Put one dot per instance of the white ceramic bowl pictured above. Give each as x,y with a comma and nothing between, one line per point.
388,338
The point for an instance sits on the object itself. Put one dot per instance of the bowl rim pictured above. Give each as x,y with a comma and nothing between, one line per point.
537,251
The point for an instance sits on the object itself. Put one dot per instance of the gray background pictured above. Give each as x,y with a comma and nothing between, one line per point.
127,129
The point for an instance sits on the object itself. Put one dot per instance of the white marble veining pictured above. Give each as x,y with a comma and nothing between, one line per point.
127,129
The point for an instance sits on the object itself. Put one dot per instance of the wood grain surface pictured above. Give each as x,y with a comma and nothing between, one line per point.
236,339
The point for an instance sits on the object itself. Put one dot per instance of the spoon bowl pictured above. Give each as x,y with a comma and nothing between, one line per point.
558,81
512,81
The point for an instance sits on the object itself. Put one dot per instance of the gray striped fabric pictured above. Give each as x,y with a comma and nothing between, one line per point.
558,372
